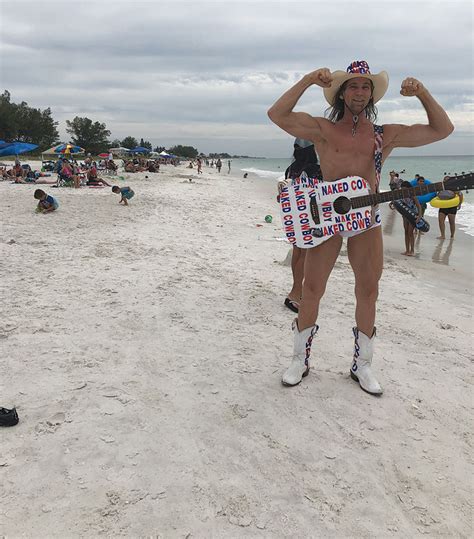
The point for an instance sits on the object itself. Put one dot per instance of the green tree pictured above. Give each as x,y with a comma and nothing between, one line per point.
116,143
160,149
93,136
129,142
184,151
27,124
145,144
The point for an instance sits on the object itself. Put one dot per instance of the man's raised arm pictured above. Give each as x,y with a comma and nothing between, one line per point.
439,125
299,124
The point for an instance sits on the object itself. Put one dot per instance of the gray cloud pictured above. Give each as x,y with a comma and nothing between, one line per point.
205,73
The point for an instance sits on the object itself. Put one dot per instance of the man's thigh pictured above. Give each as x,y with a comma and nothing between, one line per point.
320,261
365,252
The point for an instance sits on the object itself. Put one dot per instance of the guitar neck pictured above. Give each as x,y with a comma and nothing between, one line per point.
396,194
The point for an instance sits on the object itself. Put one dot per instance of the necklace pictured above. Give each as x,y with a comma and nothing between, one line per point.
355,119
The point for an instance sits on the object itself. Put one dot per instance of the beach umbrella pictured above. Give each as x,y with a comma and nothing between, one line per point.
16,148
103,155
68,148
121,149
50,150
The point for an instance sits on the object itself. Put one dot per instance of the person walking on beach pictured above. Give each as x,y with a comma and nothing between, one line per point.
420,180
126,193
305,161
413,204
218,165
345,143
395,180
450,213
228,164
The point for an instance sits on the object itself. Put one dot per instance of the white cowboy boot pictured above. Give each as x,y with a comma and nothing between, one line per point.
299,367
361,365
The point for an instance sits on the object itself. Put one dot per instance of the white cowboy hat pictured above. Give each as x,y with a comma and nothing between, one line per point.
359,68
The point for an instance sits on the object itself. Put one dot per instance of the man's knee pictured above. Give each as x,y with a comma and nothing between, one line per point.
367,289
313,290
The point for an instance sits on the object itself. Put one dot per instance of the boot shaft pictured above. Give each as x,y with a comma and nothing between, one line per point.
363,345
303,340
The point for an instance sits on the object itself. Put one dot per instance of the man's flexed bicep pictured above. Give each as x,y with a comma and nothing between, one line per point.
439,125
299,124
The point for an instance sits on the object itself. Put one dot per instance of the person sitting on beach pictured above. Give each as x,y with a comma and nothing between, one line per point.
47,203
153,167
345,142
92,174
18,171
450,213
59,165
66,173
126,193
412,203
93,179
130,166
110,165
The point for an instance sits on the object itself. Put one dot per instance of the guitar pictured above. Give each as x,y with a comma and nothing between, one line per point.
312,211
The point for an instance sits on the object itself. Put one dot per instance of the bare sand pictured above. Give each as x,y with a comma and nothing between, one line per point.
143,348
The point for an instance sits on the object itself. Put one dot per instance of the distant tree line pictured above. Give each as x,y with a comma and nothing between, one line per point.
18,121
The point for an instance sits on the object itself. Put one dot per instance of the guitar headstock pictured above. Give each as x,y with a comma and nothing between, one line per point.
459,182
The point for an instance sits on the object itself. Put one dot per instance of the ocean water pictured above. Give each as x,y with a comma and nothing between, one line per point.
433,168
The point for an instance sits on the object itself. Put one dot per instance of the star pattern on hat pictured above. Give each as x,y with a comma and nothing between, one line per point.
359,66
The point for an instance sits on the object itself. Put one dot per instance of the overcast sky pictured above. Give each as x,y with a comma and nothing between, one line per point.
205,73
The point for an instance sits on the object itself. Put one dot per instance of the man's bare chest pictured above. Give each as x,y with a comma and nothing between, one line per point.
360,144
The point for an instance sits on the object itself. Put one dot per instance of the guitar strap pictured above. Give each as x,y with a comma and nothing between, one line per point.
378,135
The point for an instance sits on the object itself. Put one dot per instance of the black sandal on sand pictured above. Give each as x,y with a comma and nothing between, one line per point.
292,305
8,418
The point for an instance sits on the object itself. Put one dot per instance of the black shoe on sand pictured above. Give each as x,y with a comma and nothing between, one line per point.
292,305
8,418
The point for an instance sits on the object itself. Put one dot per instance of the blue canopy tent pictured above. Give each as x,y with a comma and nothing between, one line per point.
15,148
140,149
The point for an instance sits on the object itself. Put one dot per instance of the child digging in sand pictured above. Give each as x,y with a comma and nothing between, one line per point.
126,193
46,203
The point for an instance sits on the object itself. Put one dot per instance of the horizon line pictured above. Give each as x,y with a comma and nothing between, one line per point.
422,155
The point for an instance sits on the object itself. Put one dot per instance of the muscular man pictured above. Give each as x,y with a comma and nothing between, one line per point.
345,144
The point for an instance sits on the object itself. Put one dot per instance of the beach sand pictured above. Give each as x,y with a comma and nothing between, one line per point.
143,348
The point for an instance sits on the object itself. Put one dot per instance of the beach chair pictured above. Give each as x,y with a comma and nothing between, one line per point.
64,182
